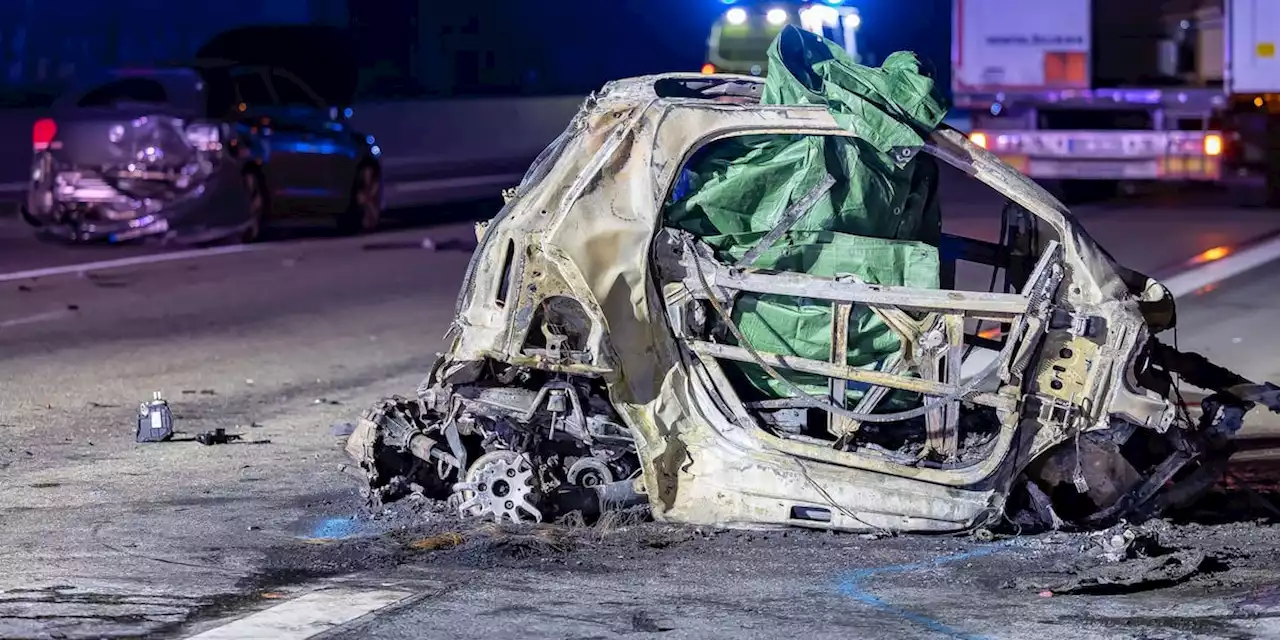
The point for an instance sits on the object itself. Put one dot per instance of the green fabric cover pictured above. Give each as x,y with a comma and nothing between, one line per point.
880,221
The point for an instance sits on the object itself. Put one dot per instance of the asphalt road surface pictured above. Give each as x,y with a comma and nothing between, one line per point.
285,343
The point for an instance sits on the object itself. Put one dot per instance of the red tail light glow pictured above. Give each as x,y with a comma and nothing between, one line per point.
42,133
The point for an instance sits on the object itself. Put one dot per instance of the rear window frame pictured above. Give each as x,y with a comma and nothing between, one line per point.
84,100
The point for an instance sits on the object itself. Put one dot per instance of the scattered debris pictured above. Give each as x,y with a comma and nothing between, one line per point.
24,288
437,542
73,307
1123,559
1117,546
342,429
106,281
327,401
1141,574
203,392
248,381
155,420
217,436
642,622
519,542
427,244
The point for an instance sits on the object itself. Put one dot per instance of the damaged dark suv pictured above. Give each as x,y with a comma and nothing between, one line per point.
197,153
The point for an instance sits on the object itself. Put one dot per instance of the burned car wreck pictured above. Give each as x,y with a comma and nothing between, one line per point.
732,299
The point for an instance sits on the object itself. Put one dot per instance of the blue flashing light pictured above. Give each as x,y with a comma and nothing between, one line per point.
834,3
729,1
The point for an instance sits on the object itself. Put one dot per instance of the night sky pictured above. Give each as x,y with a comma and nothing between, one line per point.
575,46
429,48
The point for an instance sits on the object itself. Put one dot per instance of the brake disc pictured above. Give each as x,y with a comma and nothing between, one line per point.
499,485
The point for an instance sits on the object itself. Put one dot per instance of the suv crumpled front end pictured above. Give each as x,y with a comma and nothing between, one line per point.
116,180
598,353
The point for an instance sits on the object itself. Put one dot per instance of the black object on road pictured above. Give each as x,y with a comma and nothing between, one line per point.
155,420
217,436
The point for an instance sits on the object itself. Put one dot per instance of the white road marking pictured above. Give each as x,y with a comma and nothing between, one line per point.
1200,276
86,267
39,317
306,616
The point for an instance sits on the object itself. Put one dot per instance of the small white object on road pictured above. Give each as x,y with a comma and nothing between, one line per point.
306,616
428,244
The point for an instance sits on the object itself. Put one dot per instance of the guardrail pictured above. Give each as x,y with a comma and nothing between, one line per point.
432,151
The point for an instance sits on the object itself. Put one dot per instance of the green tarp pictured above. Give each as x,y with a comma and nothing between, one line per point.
880,221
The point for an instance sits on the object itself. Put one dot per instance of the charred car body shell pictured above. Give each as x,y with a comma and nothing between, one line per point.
582,239
174,166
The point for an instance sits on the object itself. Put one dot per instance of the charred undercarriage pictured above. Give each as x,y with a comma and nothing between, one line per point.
523,445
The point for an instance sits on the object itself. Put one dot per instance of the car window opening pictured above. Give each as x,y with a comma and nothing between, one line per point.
772,350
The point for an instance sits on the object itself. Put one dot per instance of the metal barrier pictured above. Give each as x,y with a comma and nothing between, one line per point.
432,151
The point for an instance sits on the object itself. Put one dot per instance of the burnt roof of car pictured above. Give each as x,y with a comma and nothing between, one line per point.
709,87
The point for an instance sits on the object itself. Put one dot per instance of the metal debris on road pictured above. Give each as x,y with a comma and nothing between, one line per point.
1124,559
1133,575
426,243
217,436
155,420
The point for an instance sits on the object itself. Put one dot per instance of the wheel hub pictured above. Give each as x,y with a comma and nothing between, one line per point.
499,485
